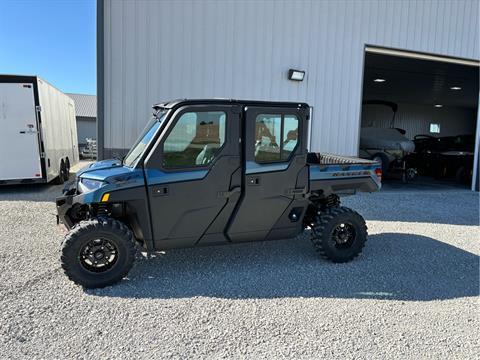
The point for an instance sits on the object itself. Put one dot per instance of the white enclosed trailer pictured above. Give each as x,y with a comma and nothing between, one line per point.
38,131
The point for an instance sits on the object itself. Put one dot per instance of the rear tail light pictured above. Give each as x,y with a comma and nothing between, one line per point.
378,172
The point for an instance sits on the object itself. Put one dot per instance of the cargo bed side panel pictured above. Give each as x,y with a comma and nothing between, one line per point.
344,179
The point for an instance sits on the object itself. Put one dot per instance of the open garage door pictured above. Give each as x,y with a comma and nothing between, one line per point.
419,118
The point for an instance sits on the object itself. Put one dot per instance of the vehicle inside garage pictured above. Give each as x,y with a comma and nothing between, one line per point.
419,117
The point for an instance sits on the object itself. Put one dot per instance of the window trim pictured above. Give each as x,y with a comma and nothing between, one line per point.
282,122
175,118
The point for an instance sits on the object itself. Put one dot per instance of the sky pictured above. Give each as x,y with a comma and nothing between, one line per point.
54,39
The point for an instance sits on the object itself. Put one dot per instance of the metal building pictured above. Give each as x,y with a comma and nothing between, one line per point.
86,116
149,51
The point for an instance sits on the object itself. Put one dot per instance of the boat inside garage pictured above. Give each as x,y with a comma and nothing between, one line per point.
419,118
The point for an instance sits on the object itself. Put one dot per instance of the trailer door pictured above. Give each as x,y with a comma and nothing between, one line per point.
19,140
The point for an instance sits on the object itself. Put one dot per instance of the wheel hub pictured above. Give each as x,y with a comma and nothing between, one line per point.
343,235
98,255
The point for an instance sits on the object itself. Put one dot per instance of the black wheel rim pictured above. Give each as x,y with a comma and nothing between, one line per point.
98,255
343,235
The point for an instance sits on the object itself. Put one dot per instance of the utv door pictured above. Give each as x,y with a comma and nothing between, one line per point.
193,176
275,175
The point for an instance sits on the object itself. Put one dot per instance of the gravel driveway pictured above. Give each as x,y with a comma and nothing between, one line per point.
412,294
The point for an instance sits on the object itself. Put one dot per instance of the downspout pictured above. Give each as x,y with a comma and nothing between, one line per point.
475,177
100,80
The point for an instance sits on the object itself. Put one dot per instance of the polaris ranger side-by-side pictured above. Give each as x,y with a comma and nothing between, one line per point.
211,172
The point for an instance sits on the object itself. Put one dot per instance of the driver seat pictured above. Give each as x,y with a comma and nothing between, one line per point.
206,155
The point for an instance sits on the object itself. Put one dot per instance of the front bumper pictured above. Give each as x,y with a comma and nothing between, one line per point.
65,203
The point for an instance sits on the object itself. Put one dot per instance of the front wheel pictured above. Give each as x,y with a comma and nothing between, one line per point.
98,252
339,234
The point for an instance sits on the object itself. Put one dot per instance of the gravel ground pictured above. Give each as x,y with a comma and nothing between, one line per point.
412,294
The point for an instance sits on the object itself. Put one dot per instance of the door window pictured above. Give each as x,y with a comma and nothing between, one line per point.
195,139
290,136
276,137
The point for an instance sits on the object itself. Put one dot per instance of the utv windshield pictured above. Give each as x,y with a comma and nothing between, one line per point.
147,134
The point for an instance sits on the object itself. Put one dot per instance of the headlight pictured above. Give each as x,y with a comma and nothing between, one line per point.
85,185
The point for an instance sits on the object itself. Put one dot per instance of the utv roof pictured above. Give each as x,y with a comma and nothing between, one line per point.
181,102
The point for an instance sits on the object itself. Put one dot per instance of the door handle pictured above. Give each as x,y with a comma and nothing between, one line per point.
160,190
296,191
253,180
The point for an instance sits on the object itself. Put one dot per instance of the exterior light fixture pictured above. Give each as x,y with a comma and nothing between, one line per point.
296,75
379,80
438,105
455,88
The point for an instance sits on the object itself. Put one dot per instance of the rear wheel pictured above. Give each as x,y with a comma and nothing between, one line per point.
98,252
339,234
411,174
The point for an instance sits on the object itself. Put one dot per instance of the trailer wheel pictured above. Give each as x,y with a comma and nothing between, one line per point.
67,164
62,174
339,234
98,252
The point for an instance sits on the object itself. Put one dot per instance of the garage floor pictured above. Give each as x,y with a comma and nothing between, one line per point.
413,293
423,183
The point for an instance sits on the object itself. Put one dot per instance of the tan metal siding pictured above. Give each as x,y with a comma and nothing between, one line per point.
160,50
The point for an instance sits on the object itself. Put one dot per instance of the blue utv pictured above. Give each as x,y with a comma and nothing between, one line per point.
207,172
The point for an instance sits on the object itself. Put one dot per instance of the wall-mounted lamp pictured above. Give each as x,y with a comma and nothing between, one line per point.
296,75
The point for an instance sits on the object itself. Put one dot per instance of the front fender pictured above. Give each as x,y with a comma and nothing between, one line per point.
128,195
65,204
